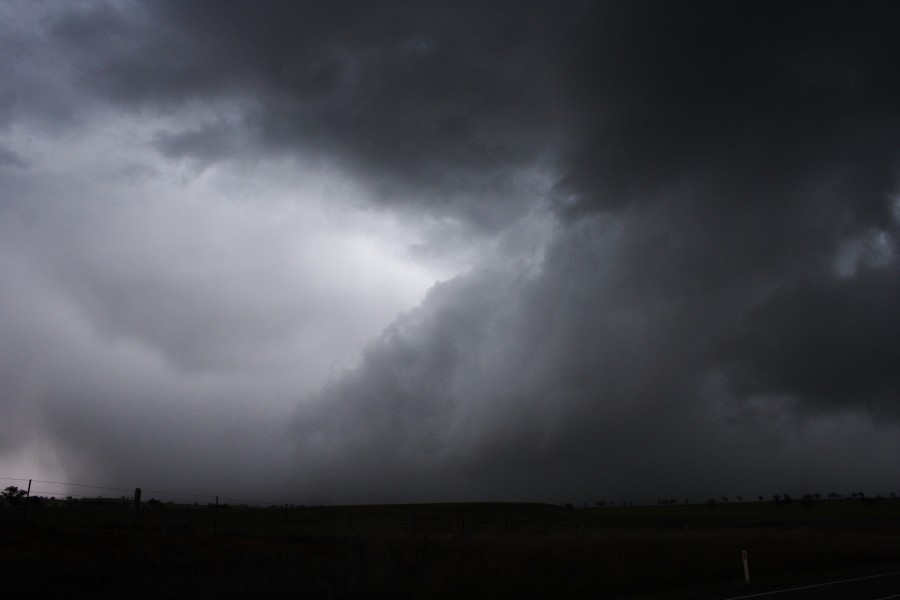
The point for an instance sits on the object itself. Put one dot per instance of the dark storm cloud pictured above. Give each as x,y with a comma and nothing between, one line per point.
427,104
583,382
717,94
756,140
832,343
716,162
719,292
575,384
772,127
748,104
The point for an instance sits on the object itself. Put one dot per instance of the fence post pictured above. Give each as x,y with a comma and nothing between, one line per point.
216,516
746,567
137,506
27,496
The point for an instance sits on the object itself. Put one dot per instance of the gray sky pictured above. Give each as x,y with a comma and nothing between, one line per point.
413,251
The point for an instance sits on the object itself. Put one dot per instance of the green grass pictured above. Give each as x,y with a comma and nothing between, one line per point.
440,550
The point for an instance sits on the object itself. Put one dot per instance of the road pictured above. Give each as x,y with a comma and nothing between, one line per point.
883,586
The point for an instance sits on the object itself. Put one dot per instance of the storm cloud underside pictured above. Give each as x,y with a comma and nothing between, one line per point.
660,240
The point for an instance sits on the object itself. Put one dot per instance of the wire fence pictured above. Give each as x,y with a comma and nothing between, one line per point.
112,507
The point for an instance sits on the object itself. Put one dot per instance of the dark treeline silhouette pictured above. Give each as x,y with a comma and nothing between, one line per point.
15,496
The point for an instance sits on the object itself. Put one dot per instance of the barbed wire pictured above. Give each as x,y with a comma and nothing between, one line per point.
96,487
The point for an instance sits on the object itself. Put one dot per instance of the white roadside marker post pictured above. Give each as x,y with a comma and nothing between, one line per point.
746,567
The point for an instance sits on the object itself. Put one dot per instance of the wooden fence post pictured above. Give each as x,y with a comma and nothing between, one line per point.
137,506
27,496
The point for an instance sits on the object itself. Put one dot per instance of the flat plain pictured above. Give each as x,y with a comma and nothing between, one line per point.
475,550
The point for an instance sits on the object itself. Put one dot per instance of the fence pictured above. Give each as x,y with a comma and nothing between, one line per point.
141,509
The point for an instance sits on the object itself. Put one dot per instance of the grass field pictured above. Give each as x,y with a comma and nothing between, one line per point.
439,550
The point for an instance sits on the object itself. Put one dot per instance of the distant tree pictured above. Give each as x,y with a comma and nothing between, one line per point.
808,500
711,502
13,495
740,498
724,498
776,499
761,498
